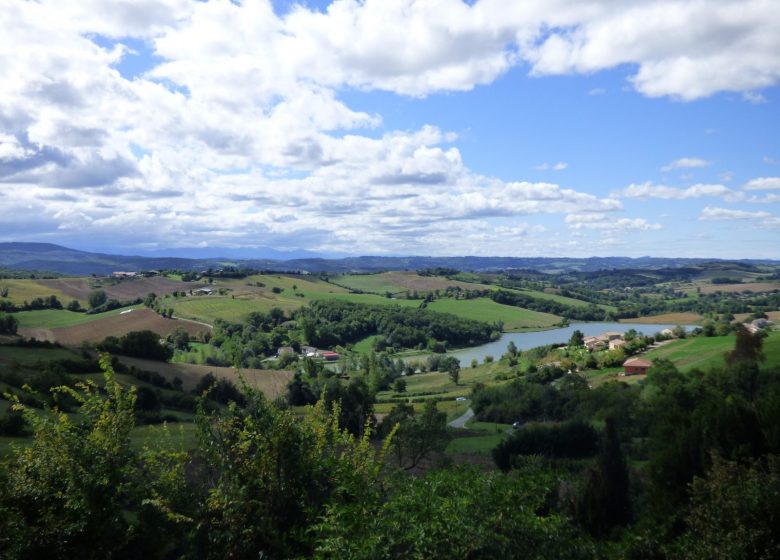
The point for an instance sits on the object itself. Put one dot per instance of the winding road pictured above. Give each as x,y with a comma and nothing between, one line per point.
460,422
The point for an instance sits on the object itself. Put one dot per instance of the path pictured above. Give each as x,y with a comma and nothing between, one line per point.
461,421
193,321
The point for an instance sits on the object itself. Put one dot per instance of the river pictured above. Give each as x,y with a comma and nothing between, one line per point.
528,340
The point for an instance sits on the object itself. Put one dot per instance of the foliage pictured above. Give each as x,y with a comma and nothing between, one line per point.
573,440
455,513
417,435
8,324
735,512
140,344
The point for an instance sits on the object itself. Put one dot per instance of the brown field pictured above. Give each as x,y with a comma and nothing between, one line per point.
774,316
124,289
272,383
738,288
667,318
413,281
115,325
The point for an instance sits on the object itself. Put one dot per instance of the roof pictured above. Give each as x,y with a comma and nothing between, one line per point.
637,362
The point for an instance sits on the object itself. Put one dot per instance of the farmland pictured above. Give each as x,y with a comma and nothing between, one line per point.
706,352
667,318
117,323
271,382
23,290
397,282
120,289
484,309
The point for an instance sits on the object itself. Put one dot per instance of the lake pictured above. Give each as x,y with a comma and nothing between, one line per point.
528,340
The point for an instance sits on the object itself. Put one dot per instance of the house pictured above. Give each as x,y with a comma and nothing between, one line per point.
330,356
617,343
308,351
120,274
593,343
204,291
611,335
636,366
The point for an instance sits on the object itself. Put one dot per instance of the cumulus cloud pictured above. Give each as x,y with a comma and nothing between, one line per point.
236,133
763,184
686,163
650,190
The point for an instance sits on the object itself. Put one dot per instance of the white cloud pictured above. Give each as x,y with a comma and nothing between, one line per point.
597,91
560,166
686,163
650,190
608,223
762,183
236,133
763,220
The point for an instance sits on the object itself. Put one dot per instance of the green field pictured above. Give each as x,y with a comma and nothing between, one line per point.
369,299
485,309
706,352
210,308
306,285
26,356
21,290
54,318
377,283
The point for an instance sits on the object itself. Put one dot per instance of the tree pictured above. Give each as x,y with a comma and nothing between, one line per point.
453,369
577,339
8,324
399,385
180,339
747,348
96,299
417,435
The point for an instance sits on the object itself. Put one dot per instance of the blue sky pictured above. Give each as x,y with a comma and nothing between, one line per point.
393,127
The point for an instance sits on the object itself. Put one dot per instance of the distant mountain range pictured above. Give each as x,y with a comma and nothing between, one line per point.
46,257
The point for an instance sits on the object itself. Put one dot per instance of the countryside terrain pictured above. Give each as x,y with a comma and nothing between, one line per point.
195,344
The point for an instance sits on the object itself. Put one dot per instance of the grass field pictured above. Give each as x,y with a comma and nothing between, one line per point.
555,297
271,382
26,356
55,318
485,309
705,352
667,318
21,290
396,282
121,289
755,287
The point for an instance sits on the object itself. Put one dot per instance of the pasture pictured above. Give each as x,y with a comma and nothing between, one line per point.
115,288
273,383
667,319
24,290
399,281
485,309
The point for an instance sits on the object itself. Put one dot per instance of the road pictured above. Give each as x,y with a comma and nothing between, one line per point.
461,421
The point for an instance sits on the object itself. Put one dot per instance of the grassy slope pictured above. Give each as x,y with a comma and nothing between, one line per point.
369,283
706,352
21,290
55,318
484,309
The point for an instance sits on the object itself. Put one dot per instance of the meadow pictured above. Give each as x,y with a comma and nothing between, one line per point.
485,309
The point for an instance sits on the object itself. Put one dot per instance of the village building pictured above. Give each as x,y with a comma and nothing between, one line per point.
120,274
330,356
636,366
617,343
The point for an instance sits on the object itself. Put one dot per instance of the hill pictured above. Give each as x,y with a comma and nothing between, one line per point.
55,258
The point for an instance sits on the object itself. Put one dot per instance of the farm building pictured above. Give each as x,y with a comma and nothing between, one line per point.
328,355
636,366
204,291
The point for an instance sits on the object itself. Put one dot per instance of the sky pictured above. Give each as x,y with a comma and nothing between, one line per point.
393,127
